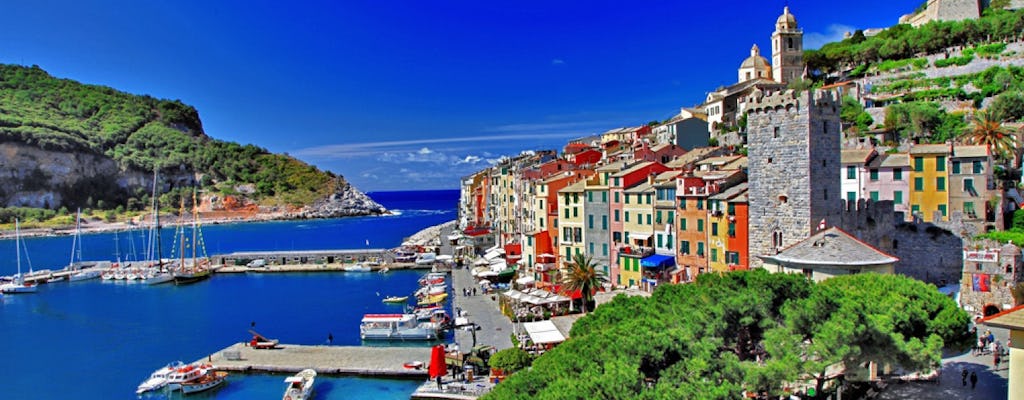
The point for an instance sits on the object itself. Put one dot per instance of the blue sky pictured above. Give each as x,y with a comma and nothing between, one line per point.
407,95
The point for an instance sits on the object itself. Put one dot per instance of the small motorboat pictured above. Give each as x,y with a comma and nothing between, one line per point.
358,268
300,386
413,365
205,382
159,378
396,299
433,299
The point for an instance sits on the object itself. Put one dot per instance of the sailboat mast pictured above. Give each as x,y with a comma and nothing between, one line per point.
156,225
181,211
74,241
17,245
195,218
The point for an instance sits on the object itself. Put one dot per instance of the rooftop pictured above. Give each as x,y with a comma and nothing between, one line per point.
890,161
855,156
941,148
832,247
1009,319
970,151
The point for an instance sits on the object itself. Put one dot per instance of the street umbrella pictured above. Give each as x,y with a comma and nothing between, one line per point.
437,367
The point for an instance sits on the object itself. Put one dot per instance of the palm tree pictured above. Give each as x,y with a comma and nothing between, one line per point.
582,274
988,130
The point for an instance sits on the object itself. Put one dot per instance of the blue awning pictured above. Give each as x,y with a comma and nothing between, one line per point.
657,261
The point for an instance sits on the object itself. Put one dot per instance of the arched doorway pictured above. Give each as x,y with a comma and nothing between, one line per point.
990,309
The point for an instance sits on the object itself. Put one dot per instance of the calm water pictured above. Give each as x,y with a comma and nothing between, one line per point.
98,340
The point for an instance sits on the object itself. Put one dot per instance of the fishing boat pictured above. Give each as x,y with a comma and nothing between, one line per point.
396,327
186,373
158,379
19,285
205,382
433,299
197,269
300,386
396,299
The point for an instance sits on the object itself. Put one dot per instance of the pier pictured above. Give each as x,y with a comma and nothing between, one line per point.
326,360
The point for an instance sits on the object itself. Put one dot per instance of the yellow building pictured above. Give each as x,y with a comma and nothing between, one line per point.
929,182
638,228
570,220
718,232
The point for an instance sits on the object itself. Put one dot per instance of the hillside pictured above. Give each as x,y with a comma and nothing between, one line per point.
67,145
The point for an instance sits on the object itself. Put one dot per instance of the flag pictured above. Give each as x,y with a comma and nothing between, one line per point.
821,225
980,282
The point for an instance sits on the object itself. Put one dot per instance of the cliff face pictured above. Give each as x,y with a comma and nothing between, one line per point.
344,202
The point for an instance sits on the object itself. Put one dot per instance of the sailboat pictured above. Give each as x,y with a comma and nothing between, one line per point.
197,269
18,285
153,252
76,252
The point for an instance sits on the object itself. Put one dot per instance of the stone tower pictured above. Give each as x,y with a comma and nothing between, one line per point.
793,153
787,49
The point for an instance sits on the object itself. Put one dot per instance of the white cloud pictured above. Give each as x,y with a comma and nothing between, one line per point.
425,151
558,61
834,33
470,159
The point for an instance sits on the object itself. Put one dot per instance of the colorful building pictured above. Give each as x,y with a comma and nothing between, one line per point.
929,178
971,184
888,179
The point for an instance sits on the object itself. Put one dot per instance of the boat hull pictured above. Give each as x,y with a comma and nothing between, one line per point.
190,277
206,382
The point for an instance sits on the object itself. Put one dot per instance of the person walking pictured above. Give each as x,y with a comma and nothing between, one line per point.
963,376
995,359
330,338
974,379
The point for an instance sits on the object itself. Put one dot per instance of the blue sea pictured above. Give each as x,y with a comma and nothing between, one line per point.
100,339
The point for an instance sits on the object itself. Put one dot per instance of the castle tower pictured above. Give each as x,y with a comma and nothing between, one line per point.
793,154
787,49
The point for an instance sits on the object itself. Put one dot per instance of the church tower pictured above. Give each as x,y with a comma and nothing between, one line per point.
793,154
787,49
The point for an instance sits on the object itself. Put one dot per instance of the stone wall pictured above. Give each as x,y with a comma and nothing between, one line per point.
1002,263
793,152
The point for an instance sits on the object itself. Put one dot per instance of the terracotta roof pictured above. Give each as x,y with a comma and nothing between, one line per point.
970,151
855,156
941,148
720,160
832,247
611,167
738,163
1009,319
835,85
692,156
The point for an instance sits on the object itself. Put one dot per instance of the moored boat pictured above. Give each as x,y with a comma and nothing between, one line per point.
433,299
158,379
396,299
300,386
396,327
358,268
191,275
85,274
186,373
205,382
19,284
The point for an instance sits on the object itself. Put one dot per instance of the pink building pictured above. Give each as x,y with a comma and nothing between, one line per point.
887,178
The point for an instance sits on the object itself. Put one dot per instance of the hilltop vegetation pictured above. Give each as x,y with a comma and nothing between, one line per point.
141,134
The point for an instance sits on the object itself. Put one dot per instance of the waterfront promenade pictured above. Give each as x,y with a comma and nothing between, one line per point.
327,360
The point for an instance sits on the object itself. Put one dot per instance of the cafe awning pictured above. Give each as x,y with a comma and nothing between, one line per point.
657,261
542,332
639,236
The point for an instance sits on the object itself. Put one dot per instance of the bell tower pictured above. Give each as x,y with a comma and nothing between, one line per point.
787,49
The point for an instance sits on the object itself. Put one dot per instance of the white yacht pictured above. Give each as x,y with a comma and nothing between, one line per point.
396,327
158,379
300,386
19,284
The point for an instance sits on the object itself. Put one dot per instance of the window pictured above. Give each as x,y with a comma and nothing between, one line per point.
682,203
617,237
897,174
775,134
731,209
969,209
977,167
566,196
915,209
671,216
700,204
851,196
714,228
627,198
684,247
873,174
940,163
567,213
682,224
873,195
604,222
714,254
851,172
700,249
616,184
575,212
604,249
592,248
732,229
616,215
616,197
918,164
942,209
604,197
969,186
590,224
956,167
700,225
648,198
897,197
659,237
649,219
627,216
918,184
940,183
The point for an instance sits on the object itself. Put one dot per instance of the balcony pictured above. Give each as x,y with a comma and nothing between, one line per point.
636,251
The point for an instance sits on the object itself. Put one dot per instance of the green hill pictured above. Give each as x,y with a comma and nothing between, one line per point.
97,124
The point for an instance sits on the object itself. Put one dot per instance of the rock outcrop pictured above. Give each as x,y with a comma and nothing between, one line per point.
347,201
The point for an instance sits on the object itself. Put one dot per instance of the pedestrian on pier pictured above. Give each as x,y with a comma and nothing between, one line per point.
974,379
330,338
963,376
474,291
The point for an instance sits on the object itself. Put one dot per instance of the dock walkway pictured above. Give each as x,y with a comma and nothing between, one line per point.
326,360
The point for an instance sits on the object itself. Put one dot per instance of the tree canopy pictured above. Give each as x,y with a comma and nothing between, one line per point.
747,330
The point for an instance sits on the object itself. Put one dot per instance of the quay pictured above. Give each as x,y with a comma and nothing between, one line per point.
364,361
